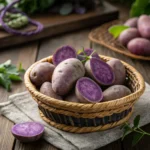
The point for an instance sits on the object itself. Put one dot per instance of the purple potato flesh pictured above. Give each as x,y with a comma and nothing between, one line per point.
100,71
28,131
63,53
88,91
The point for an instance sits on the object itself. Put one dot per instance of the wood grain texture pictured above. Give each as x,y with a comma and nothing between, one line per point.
25,54
112,146
76,39
56,24
38,145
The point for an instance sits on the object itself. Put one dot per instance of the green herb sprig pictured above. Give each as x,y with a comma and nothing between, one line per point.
9,73
116,30
138,132
85,56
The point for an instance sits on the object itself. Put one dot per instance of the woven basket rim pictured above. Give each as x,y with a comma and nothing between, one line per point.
114,48
71,105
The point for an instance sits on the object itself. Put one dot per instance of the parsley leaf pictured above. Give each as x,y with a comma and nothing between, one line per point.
5,81
8,73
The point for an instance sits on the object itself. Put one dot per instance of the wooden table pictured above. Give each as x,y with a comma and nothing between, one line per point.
31,52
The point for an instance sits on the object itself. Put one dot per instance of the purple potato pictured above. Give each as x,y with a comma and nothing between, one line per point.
144,26
72,98
132,22
88,91
139,46
66,74
100,71
119,71
28,131
127,35
46,89
115,92
41,73
63,53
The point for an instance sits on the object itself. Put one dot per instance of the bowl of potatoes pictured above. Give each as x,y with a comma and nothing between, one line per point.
83,92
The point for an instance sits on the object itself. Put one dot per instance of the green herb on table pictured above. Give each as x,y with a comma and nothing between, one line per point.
117,29
9,73
138,132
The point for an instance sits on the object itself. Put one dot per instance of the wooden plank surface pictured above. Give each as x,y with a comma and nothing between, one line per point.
26,55
56,24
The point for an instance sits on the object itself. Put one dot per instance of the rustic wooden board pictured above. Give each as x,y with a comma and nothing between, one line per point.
56,24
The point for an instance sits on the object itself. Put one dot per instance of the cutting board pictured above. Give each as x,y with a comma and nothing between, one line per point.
57,24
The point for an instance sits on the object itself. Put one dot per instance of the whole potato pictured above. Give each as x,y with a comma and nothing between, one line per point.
72,98
132,22
144,26
139,46
128,35
46,89
119,71
41,73
66,74
115,92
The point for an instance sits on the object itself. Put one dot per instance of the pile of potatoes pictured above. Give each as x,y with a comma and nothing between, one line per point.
81,78
137,37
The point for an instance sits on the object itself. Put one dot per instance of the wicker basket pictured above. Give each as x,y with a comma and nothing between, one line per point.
82,118
101,36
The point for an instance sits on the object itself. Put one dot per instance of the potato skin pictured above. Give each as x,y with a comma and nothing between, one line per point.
66,74
139,46
132,22
119,71
46,89
88,91
115,92
99,71
128,35
41,73
144,26
72,97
